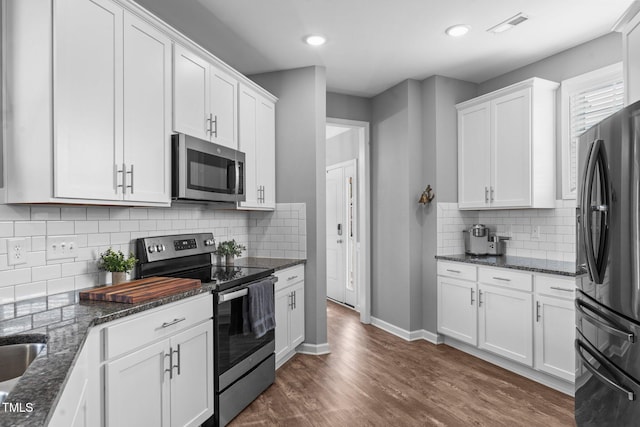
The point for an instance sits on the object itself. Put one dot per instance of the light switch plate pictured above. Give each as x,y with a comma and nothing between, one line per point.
17,251
61,247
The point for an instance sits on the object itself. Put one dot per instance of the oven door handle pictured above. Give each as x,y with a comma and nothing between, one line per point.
222,298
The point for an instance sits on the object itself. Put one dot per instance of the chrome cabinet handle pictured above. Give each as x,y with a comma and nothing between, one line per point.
502,279
178,365
130,173
117,171
472,300
173,322
214,121
561,289
479,298
292,277
454,271
537,311
486,194
209,122
290,298
492,194
170,356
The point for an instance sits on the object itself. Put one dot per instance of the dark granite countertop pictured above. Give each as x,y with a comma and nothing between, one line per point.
275,263
562,268
63,321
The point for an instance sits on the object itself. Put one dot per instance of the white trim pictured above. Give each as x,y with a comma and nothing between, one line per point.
364,218
563,386
568,87
313,349
420,334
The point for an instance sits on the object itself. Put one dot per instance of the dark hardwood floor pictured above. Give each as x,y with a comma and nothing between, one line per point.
372,378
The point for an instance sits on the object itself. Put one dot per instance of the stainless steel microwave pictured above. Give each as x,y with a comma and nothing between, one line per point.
204,171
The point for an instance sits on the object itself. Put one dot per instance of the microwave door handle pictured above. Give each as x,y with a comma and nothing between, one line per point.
237,168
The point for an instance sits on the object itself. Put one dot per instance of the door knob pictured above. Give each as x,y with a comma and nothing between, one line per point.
340,241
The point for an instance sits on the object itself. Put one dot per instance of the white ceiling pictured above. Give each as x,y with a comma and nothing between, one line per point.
374,44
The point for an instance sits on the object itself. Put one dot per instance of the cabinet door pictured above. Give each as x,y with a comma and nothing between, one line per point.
554,336
474,141
138,387
296,316
282,307
87,99
457,309
147,118
266,148
192,384
631,39
247,122
191,85
224,107
511,150
505,320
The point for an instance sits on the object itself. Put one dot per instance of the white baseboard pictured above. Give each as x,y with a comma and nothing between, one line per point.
313,349
407,335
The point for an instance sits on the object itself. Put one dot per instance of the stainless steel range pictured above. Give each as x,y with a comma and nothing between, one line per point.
244,364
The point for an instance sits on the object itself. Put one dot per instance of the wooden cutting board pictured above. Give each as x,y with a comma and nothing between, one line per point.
141,290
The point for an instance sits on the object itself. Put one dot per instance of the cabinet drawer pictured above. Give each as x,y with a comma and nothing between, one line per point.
147,327
507,278
457,270
289,276
562,287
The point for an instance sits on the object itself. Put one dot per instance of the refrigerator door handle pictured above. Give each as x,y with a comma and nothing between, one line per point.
610,325
608,382
596,267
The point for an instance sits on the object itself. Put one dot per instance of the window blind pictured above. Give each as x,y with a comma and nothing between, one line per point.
588,106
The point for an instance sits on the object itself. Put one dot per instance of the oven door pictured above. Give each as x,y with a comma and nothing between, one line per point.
206,171
237,348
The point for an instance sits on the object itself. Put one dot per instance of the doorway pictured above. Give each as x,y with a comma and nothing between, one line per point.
348,215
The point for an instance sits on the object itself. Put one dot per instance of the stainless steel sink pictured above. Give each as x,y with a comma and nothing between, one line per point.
14,361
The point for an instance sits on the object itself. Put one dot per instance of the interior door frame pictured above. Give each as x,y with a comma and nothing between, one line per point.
363,242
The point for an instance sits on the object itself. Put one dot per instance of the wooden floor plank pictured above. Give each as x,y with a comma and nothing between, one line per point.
372,378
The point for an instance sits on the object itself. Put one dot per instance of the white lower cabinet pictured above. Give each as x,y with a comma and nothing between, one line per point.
524,317
555,326
167,381
289,308
505,323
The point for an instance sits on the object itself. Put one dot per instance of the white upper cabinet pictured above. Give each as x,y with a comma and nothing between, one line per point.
506,148
257,141
104,100
205,99
629,26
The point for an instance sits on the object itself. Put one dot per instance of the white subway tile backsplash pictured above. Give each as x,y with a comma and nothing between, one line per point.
73,213
15,277
60,227
30,228
64,284
45,213
6,229
30,290
46,272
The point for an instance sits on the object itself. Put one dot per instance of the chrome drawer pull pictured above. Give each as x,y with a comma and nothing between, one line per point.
173,322
292,277
502,279
454,271
561,289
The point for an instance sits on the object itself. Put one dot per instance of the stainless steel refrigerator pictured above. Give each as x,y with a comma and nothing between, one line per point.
608,297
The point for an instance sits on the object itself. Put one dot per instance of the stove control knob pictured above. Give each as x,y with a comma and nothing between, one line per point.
209,242
159,248
152,249
163,247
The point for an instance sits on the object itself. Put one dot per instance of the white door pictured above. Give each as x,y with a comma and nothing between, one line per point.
138,388
224,107
474,142
87,99
147,106
266,148
350,228
554,336
296,316
247,122
505,323
191,94
511,150
192,384
282,307
336,236
458,309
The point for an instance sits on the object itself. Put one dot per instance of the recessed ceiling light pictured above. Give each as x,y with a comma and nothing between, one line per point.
315,40
457,30
508,24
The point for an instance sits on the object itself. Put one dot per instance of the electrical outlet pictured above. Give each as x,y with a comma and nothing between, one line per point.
61,247
535,232
16,251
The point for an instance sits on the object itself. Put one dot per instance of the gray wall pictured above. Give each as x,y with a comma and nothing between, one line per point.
590,56
343,147
300,174
348,107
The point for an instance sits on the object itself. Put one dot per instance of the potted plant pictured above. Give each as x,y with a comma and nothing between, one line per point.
229,250
116,263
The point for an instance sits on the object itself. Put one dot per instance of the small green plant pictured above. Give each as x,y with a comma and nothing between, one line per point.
115,261
230,247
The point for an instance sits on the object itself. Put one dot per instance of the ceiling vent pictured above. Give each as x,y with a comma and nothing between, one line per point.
508,24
